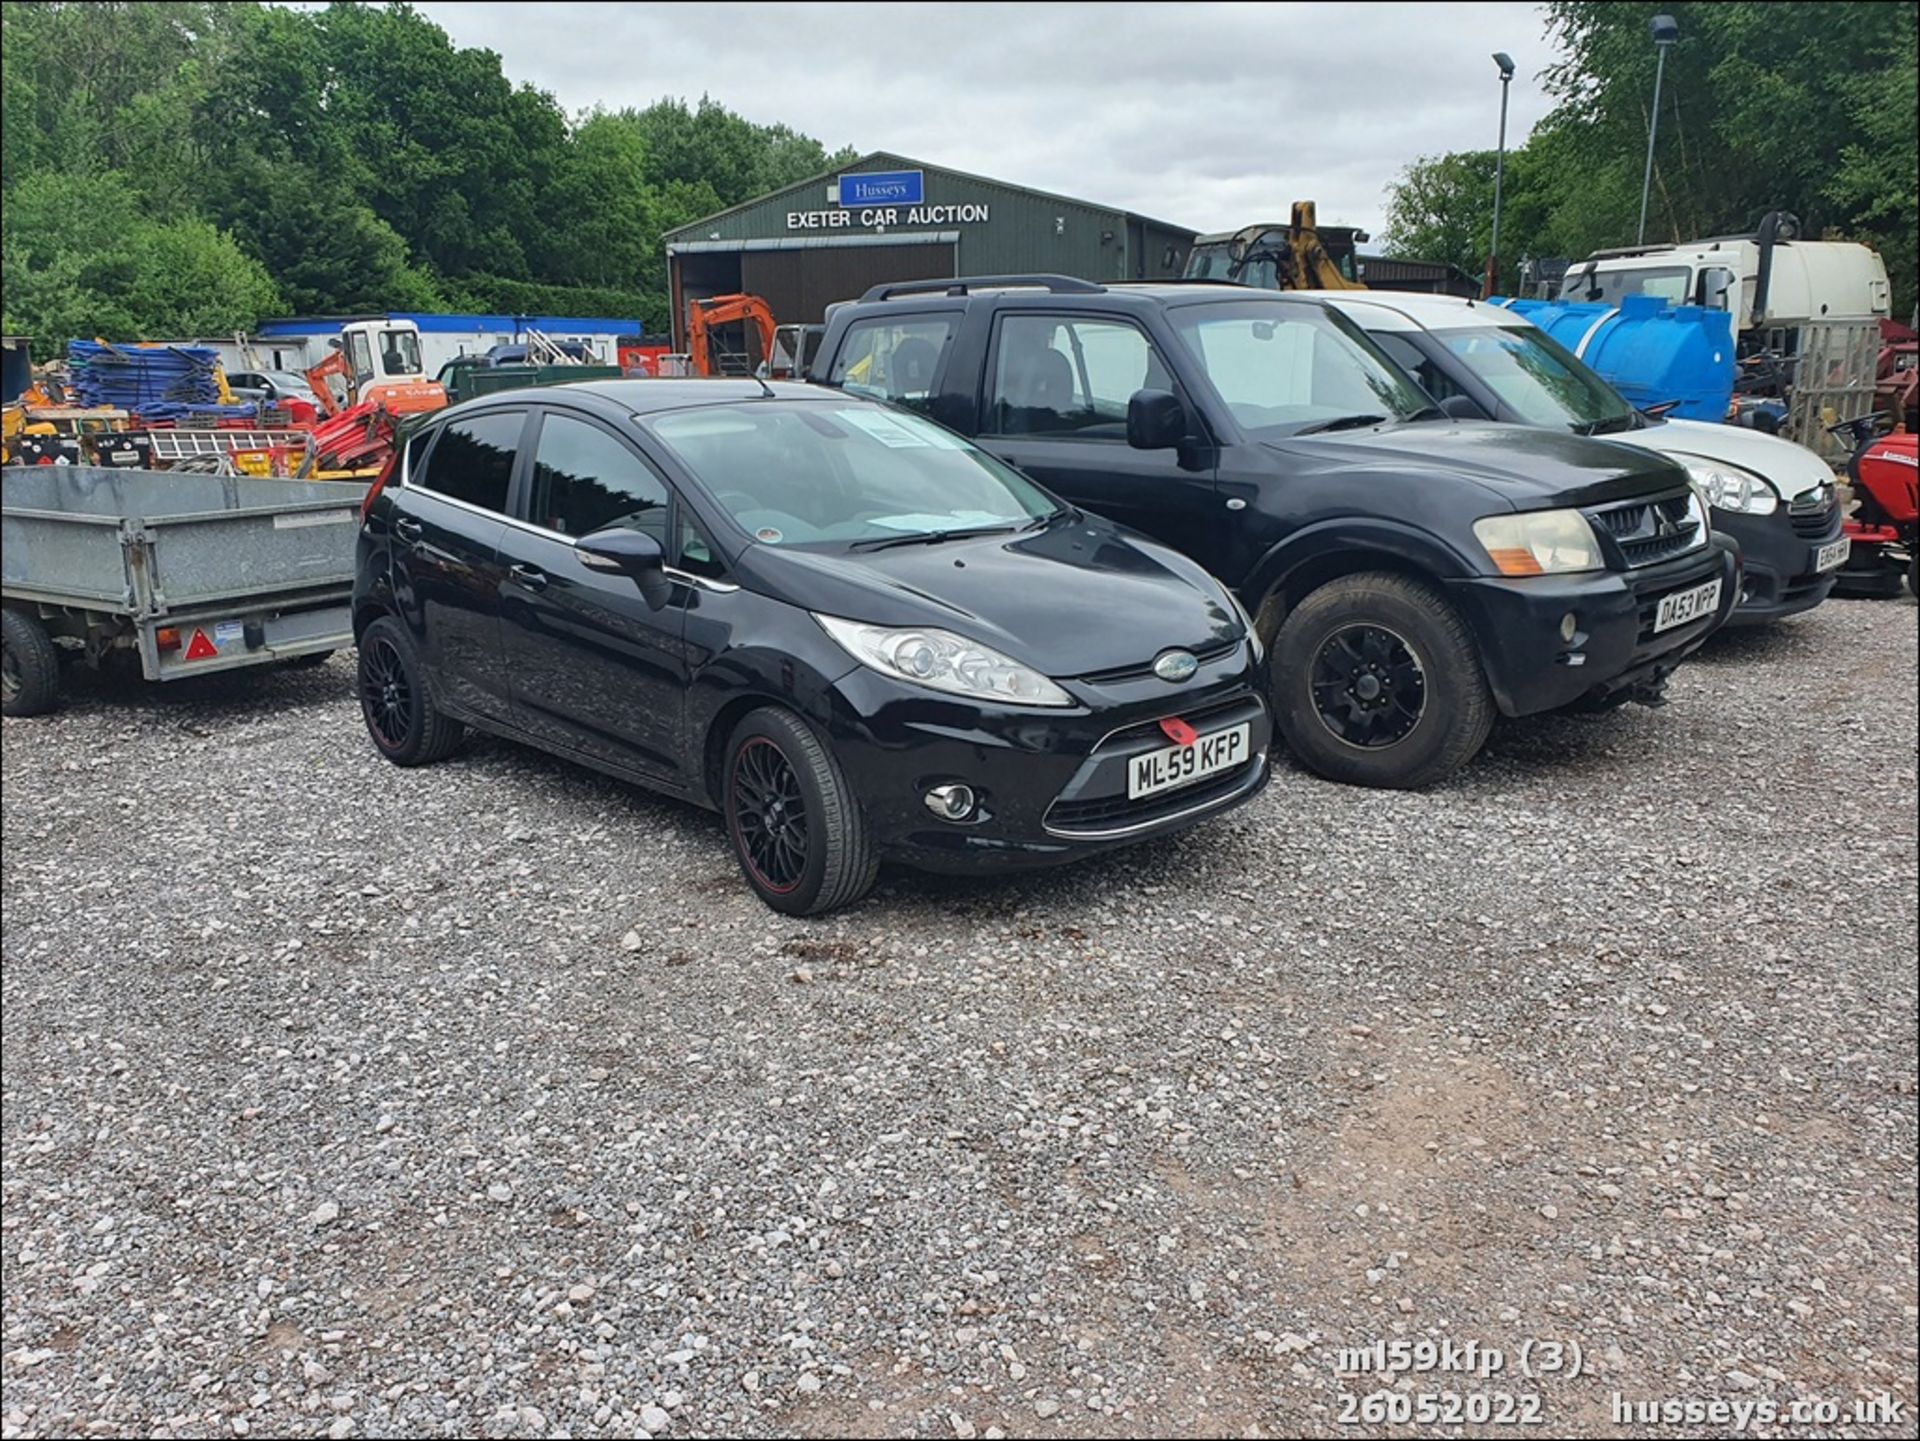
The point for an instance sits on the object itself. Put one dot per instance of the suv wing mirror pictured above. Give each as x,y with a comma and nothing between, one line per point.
1156,420
632,553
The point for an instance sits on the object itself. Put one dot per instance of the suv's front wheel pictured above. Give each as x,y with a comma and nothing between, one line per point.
1376,681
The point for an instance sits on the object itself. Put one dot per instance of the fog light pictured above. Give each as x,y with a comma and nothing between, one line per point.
952,802
1569,627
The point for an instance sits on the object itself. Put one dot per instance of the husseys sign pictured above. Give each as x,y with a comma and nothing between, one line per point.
883,198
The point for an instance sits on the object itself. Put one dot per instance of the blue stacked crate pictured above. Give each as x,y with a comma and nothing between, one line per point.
158,382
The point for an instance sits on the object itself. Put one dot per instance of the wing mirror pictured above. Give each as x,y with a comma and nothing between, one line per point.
632,553
1156,420
1462,407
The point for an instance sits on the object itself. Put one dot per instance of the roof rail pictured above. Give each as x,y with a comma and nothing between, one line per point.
966,285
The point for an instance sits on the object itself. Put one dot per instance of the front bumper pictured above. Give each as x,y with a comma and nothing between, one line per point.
1052,783
1778,555
1615,649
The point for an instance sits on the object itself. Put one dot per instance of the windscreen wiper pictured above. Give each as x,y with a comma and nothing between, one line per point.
1342,422
1606,425
928,537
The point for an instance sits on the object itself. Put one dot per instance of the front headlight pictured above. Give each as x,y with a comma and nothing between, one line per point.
1539,542
940,660
1728,487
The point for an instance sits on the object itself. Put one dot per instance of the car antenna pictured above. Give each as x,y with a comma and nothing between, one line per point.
766,391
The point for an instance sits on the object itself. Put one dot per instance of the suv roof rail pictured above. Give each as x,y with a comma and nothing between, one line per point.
966,285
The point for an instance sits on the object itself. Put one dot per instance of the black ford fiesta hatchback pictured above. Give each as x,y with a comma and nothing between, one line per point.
852,633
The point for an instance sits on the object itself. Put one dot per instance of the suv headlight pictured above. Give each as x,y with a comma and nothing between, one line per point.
1728,487
1539,542
940,660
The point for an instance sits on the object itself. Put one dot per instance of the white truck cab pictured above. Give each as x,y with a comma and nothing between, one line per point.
1806,313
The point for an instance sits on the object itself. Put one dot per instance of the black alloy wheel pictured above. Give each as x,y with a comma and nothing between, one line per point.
797,830
405,724
769,815
386,694
1376,681
1369,686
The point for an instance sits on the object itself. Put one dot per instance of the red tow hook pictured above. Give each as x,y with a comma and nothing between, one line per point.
1178,731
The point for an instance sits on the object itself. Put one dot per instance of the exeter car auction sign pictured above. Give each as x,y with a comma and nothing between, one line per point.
882,198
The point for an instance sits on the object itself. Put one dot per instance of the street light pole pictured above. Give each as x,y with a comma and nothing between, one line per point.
1505,62
1665,30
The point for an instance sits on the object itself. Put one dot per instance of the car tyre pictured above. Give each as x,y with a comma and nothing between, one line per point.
1376,681
29,666
405,725
802,841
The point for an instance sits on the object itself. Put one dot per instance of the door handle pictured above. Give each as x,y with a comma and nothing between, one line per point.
406,528
532,577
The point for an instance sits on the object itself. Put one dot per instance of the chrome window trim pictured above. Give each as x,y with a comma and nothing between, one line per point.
699,582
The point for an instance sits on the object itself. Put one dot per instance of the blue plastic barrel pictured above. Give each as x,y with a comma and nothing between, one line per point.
1651,351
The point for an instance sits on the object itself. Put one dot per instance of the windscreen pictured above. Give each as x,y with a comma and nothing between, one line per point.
830,475
1670,283
1284,368
1209,262
399,352
1536,378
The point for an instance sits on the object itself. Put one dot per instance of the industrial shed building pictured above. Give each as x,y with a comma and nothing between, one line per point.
887,217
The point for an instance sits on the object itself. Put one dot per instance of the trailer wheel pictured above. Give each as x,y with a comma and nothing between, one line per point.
29,666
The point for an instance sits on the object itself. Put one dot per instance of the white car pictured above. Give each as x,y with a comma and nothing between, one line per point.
1481,362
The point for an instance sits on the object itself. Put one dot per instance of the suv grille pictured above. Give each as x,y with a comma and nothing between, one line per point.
1812,514
1648,531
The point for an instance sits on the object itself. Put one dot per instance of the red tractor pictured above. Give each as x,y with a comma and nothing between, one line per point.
1885,524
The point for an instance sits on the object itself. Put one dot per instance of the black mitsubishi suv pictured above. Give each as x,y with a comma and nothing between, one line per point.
1411,574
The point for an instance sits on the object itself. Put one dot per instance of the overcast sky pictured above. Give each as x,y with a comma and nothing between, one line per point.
1210,116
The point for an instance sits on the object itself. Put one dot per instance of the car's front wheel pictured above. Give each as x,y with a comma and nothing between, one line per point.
1376,682
797,830
406,727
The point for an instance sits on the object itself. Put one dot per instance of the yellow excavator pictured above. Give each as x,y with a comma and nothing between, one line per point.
1296,256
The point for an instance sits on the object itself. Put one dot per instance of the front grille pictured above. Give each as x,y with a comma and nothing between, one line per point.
1203,654
1812,516
1646,532
1119,811
1201,720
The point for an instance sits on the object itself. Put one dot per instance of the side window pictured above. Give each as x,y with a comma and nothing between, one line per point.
360,356
586,480
473,460
894,358
1409,358
415,464
696,555
1056,375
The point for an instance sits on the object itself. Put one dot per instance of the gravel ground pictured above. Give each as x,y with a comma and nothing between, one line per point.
341,1100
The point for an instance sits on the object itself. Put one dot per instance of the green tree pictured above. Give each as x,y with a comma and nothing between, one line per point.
80,259
1806,108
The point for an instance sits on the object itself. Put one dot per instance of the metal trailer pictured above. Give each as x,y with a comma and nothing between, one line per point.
195,573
